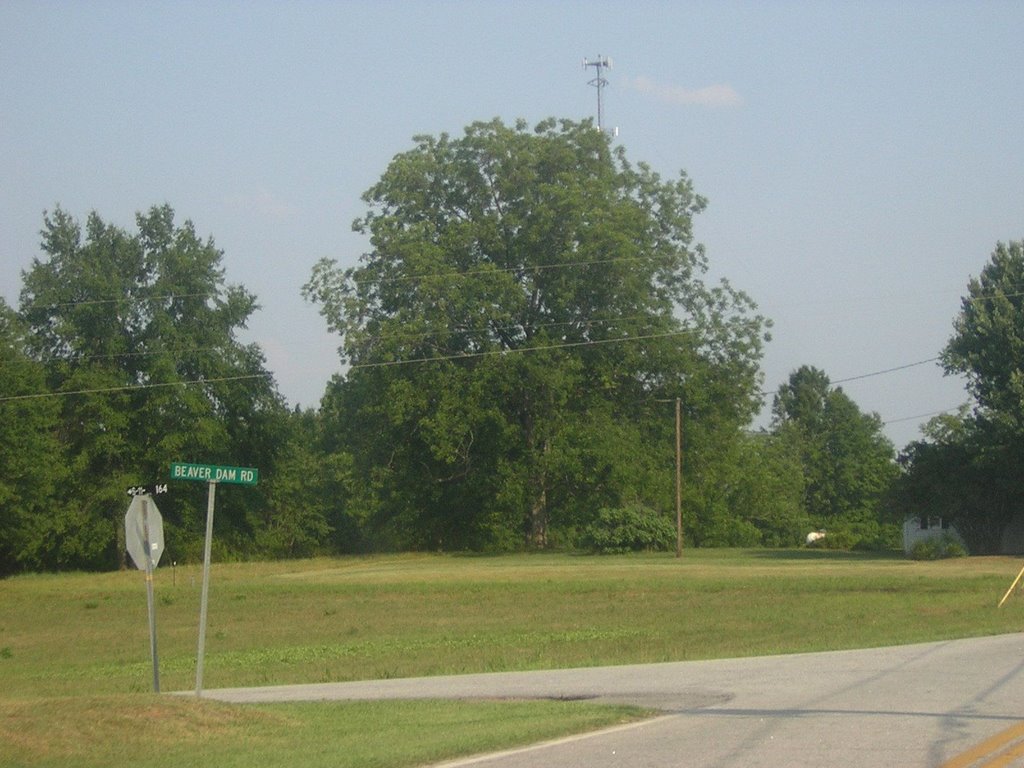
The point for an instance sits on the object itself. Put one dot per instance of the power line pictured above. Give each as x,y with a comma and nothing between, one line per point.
920,416
887,370
394,335
106,356
438,358
455,274
401,335
401,278
518,350
501,270
869,375
616,260
119,300
132,387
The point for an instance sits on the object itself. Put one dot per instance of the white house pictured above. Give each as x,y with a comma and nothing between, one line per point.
923,528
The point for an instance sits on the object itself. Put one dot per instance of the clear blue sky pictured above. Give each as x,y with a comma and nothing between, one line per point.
861,159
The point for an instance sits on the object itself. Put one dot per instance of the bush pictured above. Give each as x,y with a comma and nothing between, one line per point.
632,528
937,548
862,536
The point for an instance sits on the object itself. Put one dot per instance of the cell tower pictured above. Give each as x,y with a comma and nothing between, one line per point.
600,64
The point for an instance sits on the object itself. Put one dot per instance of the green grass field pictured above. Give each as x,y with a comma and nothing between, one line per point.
74,649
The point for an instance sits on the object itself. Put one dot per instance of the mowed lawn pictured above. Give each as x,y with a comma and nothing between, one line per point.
74,649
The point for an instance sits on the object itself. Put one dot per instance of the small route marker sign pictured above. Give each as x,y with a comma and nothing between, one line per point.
211,473
151,490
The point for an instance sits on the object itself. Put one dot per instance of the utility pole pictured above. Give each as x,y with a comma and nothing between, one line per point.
679,477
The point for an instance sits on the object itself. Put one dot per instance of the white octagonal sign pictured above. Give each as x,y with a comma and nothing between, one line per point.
143,516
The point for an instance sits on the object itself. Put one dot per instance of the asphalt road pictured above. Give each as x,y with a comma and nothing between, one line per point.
953,704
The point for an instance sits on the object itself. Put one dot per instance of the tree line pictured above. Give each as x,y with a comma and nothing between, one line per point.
530,308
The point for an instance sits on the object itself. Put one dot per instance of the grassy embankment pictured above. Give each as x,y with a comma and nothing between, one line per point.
74,649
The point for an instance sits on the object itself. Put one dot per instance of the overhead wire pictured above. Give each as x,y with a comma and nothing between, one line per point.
921,415
459,356
869,375
430,276
437,358
132,387
400,335
887,370
503,270
405,336
399,278
517,350
107,355
119,300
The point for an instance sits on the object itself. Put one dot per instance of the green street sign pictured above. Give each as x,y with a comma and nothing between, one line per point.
209,473
212,475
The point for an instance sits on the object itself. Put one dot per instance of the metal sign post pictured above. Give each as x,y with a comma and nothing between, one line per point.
201,652
211,475
149,598
144,537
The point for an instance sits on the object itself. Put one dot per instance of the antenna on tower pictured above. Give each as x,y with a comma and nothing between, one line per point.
600,82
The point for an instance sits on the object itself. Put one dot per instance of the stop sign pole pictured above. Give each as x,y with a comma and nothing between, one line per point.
149,598
145,551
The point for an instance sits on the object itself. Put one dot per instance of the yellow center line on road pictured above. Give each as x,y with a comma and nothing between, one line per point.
1007,758
995,752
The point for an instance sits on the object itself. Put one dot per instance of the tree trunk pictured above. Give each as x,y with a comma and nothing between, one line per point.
537,536
121,555
537,519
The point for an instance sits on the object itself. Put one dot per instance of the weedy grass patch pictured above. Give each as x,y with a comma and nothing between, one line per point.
391,616
67,639
149,731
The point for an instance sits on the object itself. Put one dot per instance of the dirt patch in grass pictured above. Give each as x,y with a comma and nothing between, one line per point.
82,730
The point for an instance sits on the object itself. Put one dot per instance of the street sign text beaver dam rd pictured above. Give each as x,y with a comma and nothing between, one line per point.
209,473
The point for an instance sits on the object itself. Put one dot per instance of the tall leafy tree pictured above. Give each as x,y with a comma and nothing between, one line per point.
527,295
969,465
848,463
967,473
987,345
762,494
31,460
137,335
307,495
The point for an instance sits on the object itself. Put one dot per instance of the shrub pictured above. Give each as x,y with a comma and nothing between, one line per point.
632,528
937,548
